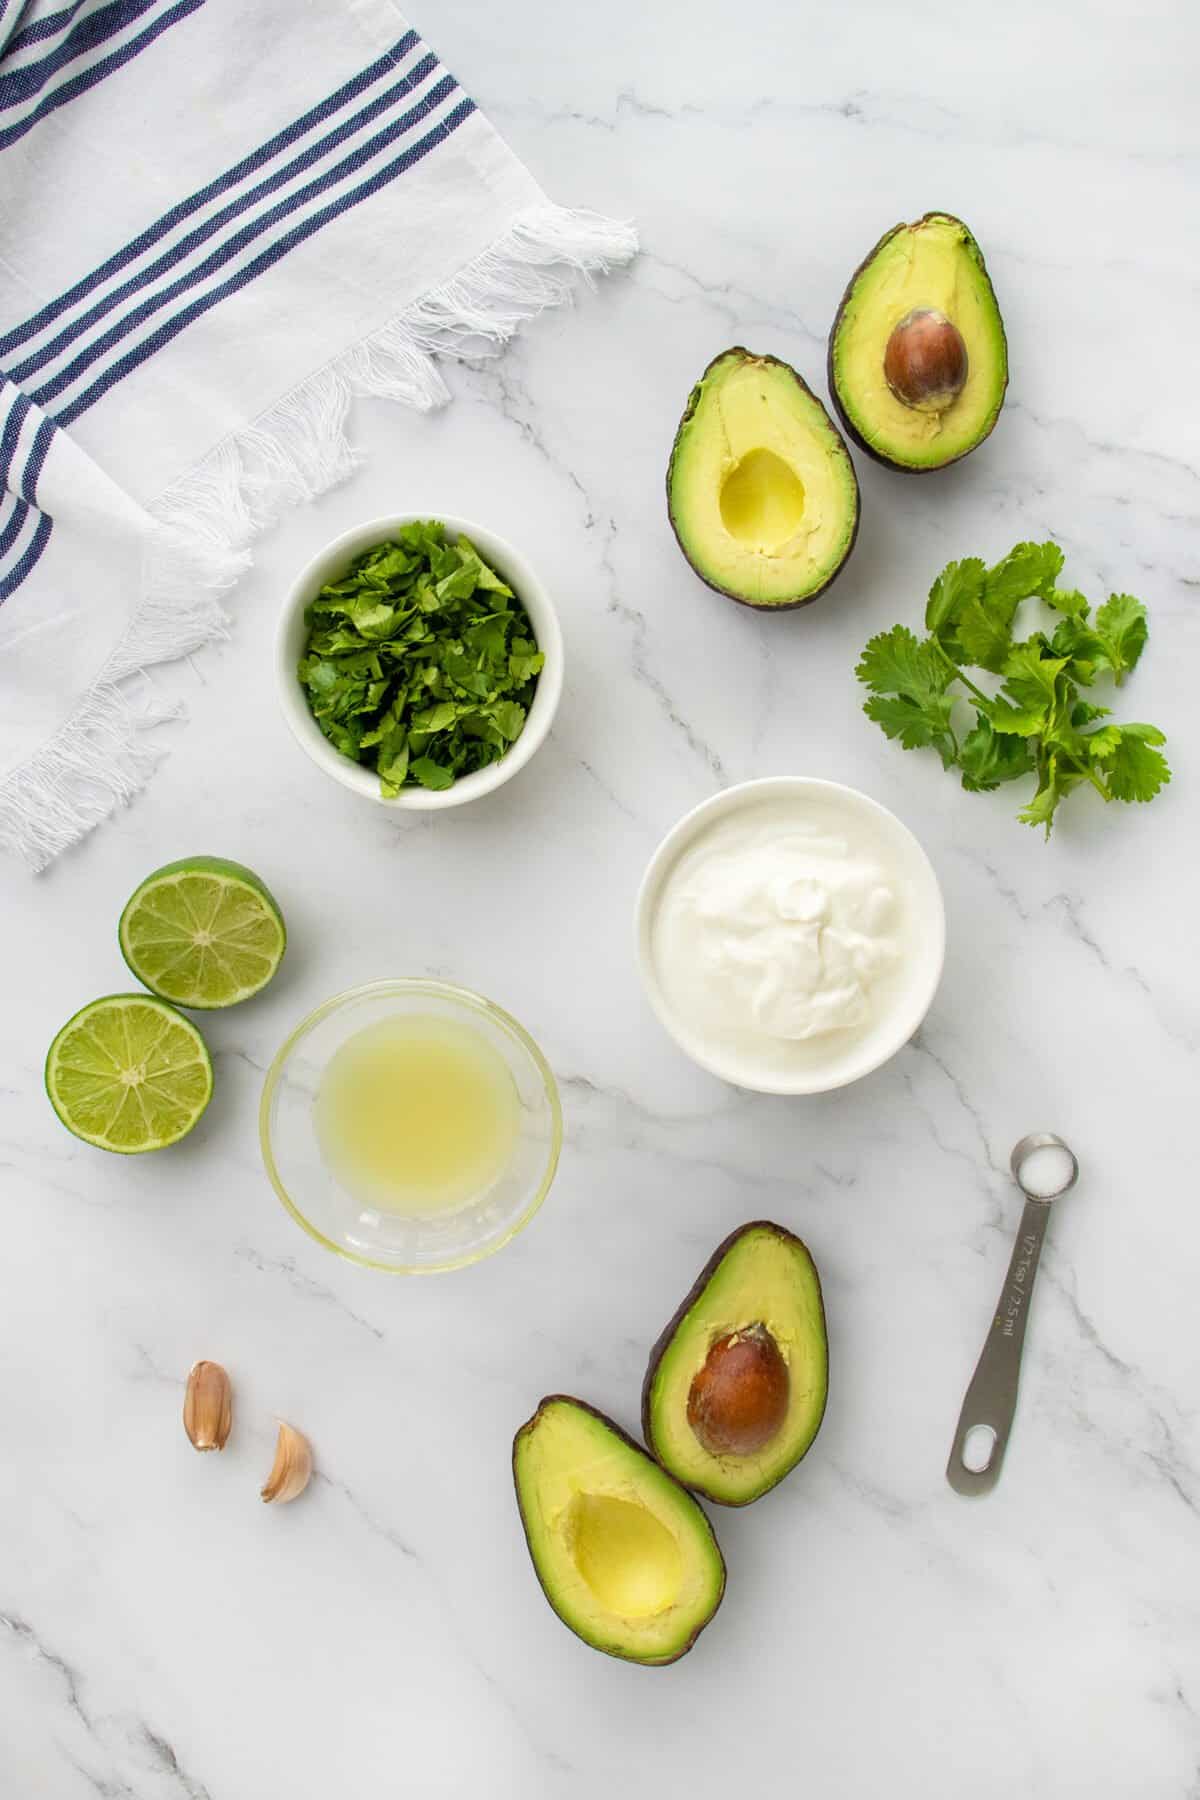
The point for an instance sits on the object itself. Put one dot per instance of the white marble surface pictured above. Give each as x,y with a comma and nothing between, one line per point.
165,1637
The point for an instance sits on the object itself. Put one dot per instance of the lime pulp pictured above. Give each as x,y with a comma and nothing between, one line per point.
203,933
129,1073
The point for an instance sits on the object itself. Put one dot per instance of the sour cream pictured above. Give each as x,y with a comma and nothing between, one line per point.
792,935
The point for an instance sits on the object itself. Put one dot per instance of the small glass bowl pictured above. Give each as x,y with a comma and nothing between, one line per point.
382,1240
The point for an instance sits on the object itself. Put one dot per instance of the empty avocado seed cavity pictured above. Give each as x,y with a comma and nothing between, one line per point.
739,1398
762,501
629,1560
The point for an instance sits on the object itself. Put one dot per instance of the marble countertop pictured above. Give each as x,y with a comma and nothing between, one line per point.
163,1636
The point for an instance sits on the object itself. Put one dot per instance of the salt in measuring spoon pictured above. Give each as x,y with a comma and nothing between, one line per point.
1043,1168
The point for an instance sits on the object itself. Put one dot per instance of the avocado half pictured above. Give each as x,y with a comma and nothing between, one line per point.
918,359
761,491
625,1556
736,1386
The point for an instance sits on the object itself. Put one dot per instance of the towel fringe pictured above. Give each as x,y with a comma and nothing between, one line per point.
296,450
98,761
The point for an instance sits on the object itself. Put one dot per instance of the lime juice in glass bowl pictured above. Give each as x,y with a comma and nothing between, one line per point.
411,1125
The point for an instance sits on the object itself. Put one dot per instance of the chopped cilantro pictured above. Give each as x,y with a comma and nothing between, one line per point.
420,661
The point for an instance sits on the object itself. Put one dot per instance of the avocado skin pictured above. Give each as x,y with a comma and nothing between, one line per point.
847,424
663,1343
776,606
631,1444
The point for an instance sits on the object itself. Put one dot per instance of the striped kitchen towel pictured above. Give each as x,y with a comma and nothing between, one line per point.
218,223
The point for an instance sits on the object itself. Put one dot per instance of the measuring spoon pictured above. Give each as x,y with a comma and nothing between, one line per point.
991,1399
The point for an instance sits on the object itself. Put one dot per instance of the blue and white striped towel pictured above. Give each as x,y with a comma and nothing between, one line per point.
218,223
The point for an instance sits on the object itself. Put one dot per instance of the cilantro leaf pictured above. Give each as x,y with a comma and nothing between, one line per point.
1015,721
487,638
1075,639
1083,713
525,660
459,584
913,722
909,680
1037,722
971,607
431,774
1100,745
392,771
958,583
1069,601
1122,629
435,718
1054,784
373,621
1030,678
984,635
1027,570
509,718
419,661
318,676
989,757
1136,767
985,625
485,578
897,662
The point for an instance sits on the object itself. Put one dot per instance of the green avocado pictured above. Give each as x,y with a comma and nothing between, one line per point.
625,1557
761,491
918,361
735,1390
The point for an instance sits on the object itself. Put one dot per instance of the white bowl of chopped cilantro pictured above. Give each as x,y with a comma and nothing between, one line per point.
419,660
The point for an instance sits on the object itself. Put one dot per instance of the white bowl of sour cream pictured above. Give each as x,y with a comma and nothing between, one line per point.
790,934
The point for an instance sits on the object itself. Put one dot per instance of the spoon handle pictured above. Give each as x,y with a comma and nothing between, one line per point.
991,1398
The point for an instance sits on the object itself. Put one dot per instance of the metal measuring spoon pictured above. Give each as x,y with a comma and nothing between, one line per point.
991,1399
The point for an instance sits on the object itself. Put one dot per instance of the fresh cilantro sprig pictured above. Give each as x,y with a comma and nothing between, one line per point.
1033,721
420,662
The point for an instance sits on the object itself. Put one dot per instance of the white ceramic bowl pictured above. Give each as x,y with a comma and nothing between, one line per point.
837,1058
289,645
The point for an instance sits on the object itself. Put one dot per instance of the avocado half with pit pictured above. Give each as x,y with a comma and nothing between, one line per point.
624,1554
761,491
735,1391
918,360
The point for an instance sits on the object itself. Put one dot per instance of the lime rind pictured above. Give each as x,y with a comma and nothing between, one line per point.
128,1073
203,933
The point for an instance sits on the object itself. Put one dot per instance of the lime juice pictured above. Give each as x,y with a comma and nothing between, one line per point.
417,1114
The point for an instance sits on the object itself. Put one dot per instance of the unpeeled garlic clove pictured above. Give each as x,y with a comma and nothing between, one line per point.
208,1406
292,1468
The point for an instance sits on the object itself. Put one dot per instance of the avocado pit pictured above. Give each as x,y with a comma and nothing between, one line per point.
738,1399
925,361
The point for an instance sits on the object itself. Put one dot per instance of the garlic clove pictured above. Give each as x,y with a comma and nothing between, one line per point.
208,1406
292,1468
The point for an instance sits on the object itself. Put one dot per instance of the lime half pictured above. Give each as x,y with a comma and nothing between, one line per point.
129,1073
203,933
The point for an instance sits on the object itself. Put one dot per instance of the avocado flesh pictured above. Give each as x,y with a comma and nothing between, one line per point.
762,1275
625,1557
935,264
761,490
